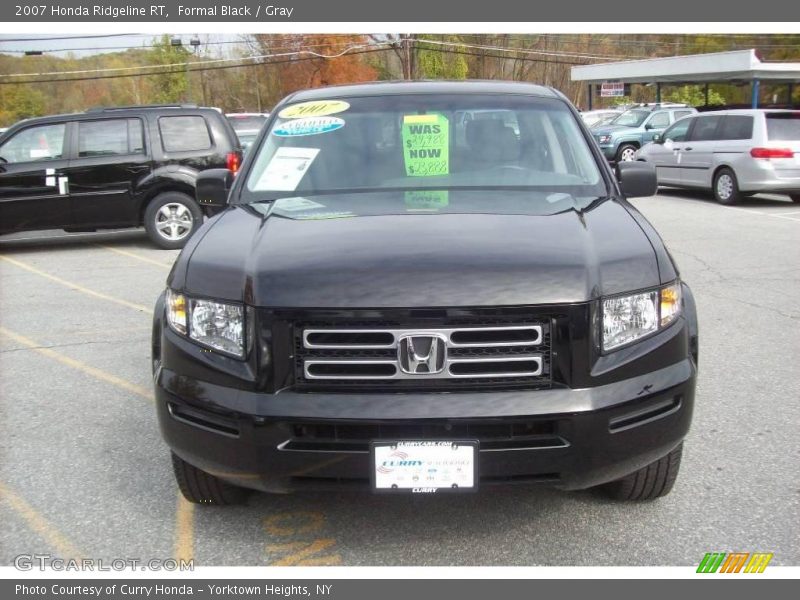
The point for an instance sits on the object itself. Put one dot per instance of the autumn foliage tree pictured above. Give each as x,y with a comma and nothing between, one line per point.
316,60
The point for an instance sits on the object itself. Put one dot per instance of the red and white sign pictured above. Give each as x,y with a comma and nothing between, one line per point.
612,89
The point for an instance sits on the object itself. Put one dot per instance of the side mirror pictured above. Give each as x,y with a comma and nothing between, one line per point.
648,127
213,186
657,138
637,179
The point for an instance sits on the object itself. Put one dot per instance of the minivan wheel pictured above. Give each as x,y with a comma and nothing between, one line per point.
171,218
726,188
200,487
626,152
648,483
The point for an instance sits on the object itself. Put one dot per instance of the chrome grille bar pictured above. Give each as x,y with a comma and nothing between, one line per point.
532,333
535,369
500,341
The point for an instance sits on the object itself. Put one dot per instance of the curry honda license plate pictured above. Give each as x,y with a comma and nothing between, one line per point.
425,467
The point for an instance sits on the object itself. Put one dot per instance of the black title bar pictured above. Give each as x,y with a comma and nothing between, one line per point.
406,11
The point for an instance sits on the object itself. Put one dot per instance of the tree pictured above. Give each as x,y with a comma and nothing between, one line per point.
433,63
693,95
170,86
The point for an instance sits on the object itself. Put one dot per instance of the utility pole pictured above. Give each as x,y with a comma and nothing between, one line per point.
407,47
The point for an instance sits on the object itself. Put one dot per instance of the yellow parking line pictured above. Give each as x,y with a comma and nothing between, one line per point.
74,286
39,524
184,529
75,364
184,537
136,256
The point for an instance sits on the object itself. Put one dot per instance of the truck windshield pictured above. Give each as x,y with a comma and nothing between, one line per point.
631,118
424,142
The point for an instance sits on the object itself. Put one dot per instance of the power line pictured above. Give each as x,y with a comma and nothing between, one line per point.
525,50
54,50
202,62
150,46
70,37
614,39
191,70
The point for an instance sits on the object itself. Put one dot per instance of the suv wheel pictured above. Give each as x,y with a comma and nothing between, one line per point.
171,218
650,482
726,188
626,152
200,487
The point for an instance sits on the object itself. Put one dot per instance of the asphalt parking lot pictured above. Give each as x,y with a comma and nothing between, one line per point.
83,470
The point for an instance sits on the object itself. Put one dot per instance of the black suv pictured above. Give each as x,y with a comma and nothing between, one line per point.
400,297
113,167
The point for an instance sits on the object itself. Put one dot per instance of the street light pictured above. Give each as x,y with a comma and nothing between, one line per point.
194,42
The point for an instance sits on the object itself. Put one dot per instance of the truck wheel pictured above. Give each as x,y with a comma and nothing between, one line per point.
171,218
650,482
626,152
200,487
726,187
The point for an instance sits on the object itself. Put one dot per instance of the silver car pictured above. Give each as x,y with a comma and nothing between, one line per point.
733,153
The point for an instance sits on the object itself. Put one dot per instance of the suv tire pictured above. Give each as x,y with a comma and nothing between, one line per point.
648,483
171,218
726,187
625,152
200,487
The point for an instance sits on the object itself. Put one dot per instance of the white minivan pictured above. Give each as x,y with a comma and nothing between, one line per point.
733,153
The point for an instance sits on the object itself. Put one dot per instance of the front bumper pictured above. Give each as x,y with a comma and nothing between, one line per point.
570,438
609,150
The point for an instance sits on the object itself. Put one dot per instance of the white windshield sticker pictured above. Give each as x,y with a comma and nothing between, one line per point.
295,204
308,126
286,169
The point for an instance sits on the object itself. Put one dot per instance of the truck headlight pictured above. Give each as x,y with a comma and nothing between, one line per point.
629,318
604,139
217,325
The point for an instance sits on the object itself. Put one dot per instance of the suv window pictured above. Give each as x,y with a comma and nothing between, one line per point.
110,137
783,126
184,133
42,142
679,114
736,127
705,128
659,120
677,133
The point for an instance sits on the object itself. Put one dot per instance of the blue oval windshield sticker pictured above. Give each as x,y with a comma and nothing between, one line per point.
308,126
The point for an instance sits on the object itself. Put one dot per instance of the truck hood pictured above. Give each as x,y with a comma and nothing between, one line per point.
608,129
412,260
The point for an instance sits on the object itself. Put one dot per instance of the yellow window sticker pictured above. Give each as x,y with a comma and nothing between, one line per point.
317,108
426,145
426,200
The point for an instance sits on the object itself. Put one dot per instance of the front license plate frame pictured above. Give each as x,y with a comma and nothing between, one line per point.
430,476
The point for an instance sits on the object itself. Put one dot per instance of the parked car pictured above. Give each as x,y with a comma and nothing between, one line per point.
602,116
384,304
113,167
733,153
247,126
620,139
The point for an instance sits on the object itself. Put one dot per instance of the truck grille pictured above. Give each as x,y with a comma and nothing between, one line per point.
470,355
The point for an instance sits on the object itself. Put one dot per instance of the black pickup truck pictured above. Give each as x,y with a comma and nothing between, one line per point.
425,288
